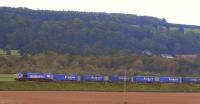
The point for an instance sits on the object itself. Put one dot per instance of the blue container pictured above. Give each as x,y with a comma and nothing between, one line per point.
92,78
71,77
144,79
118,78
113,78
191,80
39,76
59,77
170,79
122,78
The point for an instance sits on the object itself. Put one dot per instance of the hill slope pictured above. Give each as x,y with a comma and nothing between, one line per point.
85,33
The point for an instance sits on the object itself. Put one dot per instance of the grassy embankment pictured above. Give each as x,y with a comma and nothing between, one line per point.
6,77
59,86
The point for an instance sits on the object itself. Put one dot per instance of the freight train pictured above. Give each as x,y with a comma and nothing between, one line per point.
99,78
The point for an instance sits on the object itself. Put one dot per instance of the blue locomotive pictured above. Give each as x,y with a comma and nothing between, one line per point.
33,76
100,78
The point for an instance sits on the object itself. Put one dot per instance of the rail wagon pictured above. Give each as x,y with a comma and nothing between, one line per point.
92,78
170,79
72,78
59,77
144,79
118,78
191,80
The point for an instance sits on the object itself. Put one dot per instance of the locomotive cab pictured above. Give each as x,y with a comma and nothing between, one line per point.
20,76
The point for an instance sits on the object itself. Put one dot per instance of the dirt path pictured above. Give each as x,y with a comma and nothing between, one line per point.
56,97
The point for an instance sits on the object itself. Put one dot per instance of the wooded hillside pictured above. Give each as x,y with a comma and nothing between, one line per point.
94,43
84,33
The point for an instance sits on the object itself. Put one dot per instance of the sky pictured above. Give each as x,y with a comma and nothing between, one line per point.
175,11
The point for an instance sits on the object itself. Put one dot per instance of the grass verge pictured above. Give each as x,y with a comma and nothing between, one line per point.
105,87
6,77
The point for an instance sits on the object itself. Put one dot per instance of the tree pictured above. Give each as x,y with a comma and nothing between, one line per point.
181,29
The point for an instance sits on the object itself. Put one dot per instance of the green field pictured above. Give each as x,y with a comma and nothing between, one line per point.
187,29
107,87
6,77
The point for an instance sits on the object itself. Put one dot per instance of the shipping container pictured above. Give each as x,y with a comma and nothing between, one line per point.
59,77
170,79
113,78
144,79
119,78
92,78
191,80
71,78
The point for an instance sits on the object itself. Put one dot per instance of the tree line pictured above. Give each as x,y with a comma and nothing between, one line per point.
116,64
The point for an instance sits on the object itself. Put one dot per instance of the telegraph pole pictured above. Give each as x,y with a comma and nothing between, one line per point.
124,97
